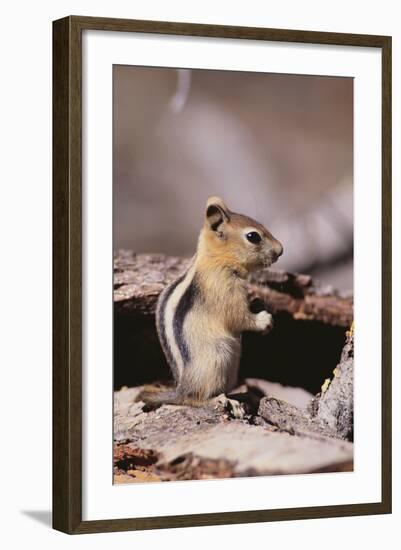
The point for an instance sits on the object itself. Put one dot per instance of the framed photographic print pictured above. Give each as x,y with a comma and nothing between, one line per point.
222,274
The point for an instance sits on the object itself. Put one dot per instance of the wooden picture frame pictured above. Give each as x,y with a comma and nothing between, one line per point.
67,273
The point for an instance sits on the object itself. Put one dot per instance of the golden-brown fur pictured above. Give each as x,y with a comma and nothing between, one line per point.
200,317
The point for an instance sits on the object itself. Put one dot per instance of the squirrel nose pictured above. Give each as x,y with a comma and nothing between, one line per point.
278,249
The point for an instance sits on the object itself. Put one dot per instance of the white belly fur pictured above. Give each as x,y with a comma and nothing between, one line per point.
215,356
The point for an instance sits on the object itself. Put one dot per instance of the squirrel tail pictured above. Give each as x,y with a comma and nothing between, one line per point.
155,396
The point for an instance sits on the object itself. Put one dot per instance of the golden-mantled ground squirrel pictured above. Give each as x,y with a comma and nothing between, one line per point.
201,315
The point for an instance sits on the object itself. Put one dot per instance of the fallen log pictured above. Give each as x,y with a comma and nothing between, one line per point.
286,429
310,316
334,405
330,413
292,432
179,442
139,279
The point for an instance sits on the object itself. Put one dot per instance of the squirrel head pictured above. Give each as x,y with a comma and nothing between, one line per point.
236,241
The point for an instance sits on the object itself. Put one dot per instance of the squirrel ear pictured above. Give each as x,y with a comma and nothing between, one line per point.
216,212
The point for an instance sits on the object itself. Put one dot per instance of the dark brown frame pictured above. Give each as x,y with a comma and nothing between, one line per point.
67,279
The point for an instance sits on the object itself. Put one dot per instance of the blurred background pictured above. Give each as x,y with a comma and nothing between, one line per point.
276,147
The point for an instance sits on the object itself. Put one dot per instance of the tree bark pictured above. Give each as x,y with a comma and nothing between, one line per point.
330,413
181,442
285,430
139,279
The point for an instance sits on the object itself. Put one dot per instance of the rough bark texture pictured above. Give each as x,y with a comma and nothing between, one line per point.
330,413
285,429
175,443
139,279
334,406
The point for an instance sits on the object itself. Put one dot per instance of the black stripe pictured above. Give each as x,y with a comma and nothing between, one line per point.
160,323
185,304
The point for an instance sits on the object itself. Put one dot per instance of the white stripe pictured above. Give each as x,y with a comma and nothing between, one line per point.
169,312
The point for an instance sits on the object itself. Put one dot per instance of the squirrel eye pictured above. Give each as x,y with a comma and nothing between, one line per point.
253,237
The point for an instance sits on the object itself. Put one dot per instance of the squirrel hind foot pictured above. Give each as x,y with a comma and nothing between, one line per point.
154,397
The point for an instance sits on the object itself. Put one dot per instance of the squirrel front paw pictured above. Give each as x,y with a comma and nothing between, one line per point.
264,322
